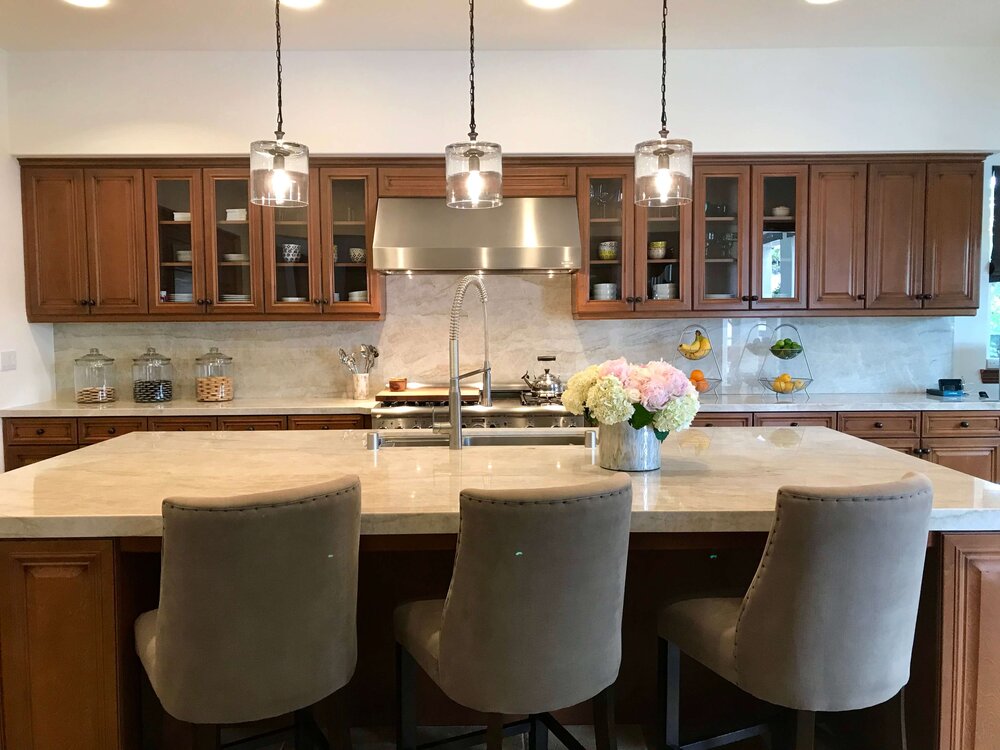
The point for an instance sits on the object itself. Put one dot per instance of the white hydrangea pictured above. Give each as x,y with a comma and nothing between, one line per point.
574,398
677,414
608,402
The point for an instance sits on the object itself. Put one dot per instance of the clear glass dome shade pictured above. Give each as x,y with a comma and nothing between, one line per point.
663,172
474,173
279,174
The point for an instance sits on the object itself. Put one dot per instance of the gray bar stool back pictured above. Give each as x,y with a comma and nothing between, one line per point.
829,619
258,599
532,621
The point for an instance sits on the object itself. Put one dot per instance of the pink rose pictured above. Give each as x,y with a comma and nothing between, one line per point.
618,368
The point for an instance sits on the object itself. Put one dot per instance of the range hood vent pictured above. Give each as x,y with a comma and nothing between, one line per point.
524,235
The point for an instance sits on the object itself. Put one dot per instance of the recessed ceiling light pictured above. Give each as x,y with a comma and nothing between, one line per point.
548,4
88,3
301,4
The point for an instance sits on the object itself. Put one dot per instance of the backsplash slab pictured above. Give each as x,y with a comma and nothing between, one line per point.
528,316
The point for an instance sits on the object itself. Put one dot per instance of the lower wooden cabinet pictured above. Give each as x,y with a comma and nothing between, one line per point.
979,457
328,422
16,456
96,429
909,446
970,650
723,420
251,424
793,419
58,645
182,424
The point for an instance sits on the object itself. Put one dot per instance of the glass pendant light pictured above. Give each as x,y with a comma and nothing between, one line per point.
663,166
474,169
279,169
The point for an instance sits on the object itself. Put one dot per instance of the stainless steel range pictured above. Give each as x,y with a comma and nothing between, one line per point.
511,408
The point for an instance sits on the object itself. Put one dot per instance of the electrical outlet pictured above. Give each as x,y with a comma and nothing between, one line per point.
8,361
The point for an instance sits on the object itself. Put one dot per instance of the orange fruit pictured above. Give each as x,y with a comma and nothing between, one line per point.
697,375
702,385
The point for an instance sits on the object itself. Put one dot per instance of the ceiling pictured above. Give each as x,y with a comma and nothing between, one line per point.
501,24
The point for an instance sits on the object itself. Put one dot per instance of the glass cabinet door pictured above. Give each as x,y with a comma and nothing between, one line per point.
293,256
780,212
348,204
722,263
174,241
605,283
663,258
232,228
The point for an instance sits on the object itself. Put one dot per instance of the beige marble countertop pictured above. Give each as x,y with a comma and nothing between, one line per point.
709,404
713,479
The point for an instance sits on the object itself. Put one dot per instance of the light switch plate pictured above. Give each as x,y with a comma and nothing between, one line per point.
8,361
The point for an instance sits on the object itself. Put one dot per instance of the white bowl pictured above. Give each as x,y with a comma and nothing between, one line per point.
182,216
183,255
782,211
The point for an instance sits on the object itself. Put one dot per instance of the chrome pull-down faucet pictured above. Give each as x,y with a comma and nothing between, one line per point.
454,426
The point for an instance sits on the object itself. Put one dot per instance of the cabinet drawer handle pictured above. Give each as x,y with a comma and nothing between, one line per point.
878,425
84,302
754,298
709,424
325,427
861,298
40,431
112,430
251,428
181,429
793,424
963,424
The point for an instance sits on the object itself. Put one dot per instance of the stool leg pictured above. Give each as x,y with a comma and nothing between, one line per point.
901,700
179,735
338,721
668,694
406,708
538,734
805,730
494,731
604,719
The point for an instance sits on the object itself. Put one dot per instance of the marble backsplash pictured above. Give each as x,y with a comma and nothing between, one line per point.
528,316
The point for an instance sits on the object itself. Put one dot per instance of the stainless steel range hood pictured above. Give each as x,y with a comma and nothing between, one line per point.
524,235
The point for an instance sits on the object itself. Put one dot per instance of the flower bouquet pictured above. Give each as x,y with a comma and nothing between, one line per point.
636,406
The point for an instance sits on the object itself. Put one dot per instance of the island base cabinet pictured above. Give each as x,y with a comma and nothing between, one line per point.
970,654
979,457
58,653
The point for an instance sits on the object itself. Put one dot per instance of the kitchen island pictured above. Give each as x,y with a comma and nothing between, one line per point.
79,556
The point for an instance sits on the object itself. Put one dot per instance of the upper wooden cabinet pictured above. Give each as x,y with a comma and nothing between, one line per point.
837,197
894,274
722,237
175,239
518,182
779,222
952,235
84,242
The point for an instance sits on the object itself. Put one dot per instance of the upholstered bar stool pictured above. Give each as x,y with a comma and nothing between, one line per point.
257,615
828,622
532,621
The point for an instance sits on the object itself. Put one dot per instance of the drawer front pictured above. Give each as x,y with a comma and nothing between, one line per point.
880,424
909,446
182,424
961,424
31,431
252,424
722,420
96,429
797,419
329,422
17,456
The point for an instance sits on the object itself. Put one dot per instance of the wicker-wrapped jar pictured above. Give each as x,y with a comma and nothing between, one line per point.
94,379
214,376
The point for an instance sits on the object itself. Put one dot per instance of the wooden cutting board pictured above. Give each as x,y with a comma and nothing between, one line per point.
439,395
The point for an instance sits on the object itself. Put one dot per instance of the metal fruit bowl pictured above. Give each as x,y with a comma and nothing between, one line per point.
786,353
694,356
769,384
713,383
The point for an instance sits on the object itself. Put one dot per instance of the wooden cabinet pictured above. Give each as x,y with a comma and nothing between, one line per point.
16,456
979,457
952,235
295,258
233,259
970,651
182,424
796,419
779,228
909,446
880,424
518,181
84,242
722,420
328,422
662,273
721,257
175,241
961,424
895,251
96,429
252,424
58,645
837,198
40,431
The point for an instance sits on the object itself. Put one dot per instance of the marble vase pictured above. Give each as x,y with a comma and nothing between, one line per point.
621,447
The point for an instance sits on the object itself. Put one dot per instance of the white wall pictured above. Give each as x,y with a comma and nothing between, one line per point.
33,380
858,99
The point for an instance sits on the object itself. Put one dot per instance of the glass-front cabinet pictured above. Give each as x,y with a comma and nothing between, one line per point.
780,211
721,238
175,241
293,256
232,244
606,207
348,200
663,258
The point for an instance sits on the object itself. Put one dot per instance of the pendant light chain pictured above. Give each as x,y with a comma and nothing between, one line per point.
472,70
663,76
280,133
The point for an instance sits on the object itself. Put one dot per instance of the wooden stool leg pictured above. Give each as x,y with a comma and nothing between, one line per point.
805,730
668,694
901,700
406,705
338,721
179,735
604,719
538,734
494,731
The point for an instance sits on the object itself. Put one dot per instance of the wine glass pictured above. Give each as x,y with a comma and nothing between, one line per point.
600,195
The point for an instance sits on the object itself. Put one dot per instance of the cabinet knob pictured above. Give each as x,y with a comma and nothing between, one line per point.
754,298
84,302
209,302
963,424
317,301
709,424
745,298
878,425
112,430
40,431
326,301
325,427
91,302
181,429
202,301
861,298
793,424
251,428
927,296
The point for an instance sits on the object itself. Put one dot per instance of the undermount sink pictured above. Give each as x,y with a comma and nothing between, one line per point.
376,440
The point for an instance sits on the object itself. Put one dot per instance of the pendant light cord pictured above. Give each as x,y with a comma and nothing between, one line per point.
280,133
663,75
472,70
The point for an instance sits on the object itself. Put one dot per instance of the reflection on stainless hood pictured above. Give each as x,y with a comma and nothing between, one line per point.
524,235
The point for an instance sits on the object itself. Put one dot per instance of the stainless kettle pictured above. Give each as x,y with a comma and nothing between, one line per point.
546,384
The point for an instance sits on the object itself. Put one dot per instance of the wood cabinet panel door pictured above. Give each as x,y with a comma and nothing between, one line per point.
17,456
175,241
721,246
953,232
234,264
294,256
978,457
778,242
58,650
55,241
970,654
116,240
837,194
895,253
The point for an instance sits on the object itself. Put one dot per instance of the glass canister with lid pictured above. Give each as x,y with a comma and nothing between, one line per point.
94,378
152,378
214,376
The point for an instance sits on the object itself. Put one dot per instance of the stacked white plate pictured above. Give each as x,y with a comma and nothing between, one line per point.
235,257
604,292
180,298
292,299
182,216
235,297
357,296
236,214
